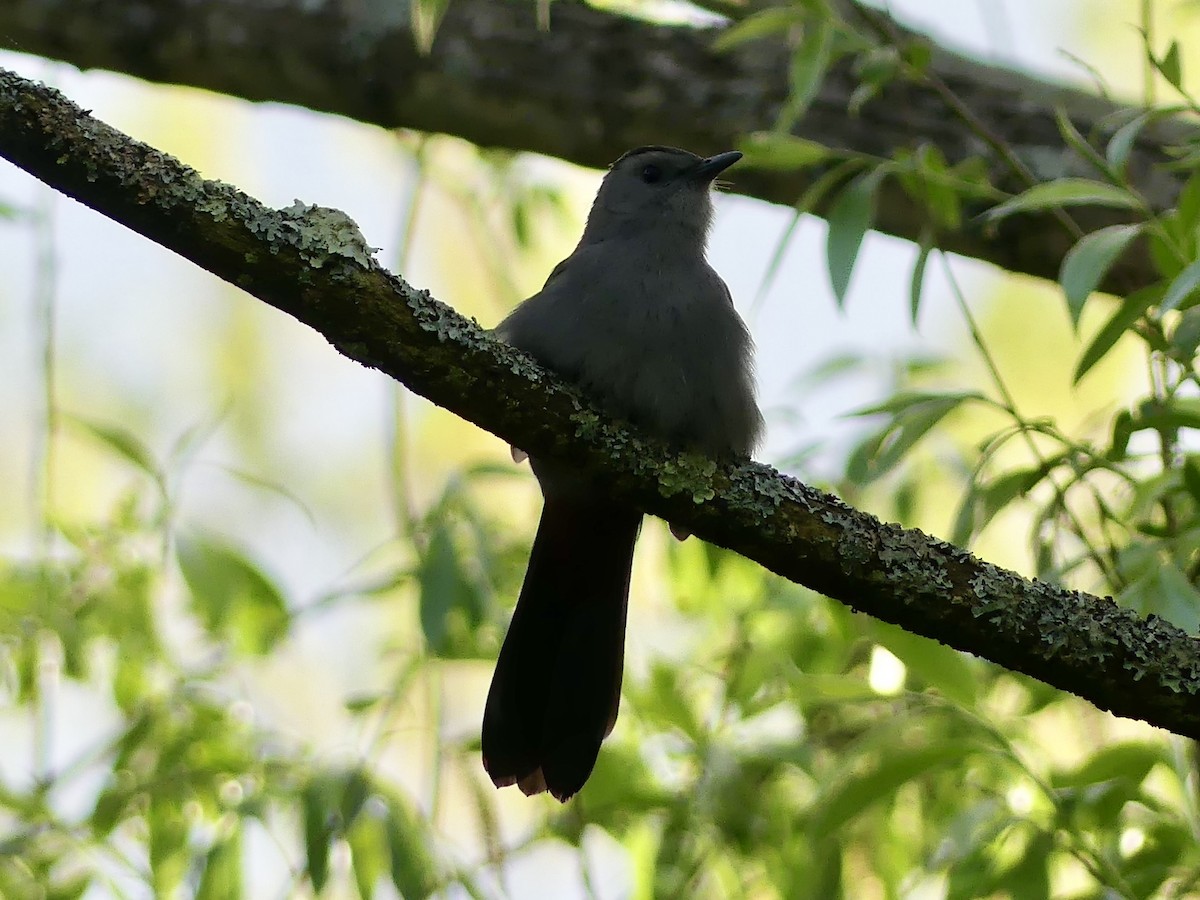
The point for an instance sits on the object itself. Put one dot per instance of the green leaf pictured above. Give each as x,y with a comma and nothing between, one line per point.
938,666
878,65
168,833
70,886
235,601
918,274
319,818
975,826
1131,309
1130,760
983,501
110,807
907,400
130,683
1122,431
1166,254
857,791
939,189
776,261
809,62
1170,66
664,700
815,195
414,872
1181,288
811,198
875,69
849,219
760,25
917,52
1064,192
915,415
1029,875
1138,558
450,603
807,690
1187,157
622,784
1187,209
1077,141
782,152
1185,337
1166,848
222,878
124,443
360,703
369,856
270,486
1121,143
355,788
1191,476
1086,264
424,18
1176,599
966,520
1169,414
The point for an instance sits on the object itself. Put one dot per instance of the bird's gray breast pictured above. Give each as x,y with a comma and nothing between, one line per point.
654,338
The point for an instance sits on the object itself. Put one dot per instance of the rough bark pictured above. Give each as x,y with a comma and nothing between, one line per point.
594,85
312,264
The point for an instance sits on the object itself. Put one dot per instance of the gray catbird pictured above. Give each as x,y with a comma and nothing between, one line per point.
639,320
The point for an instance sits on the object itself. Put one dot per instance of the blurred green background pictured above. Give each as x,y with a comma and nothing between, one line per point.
251,593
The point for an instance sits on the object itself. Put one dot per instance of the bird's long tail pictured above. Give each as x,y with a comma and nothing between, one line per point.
557,686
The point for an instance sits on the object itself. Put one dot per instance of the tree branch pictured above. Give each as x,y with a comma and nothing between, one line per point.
313,264
596,84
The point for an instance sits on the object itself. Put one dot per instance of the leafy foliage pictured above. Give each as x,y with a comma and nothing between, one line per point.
790,748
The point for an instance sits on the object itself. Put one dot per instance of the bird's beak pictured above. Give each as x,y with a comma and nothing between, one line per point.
710,168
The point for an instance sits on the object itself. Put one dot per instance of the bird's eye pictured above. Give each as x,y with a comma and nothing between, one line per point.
651,174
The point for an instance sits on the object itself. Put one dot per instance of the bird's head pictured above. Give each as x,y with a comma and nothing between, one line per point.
662,189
